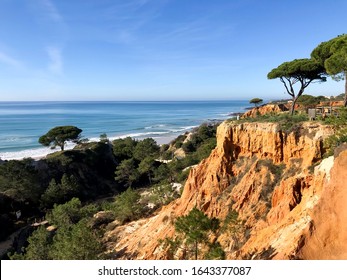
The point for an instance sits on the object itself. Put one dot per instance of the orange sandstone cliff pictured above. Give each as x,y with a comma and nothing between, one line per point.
291,203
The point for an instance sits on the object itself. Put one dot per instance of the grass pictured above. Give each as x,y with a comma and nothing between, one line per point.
287,122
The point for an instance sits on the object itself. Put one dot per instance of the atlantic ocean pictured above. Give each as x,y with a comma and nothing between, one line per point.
22,123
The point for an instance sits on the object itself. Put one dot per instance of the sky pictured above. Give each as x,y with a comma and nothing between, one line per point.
87,50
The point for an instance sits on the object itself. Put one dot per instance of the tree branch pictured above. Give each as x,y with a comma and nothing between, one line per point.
285,85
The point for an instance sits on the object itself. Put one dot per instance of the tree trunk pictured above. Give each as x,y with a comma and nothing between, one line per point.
292,107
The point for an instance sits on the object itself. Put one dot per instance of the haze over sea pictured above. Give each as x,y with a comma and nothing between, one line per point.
22,123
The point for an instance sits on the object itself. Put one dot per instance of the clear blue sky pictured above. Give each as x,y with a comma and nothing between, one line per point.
159,49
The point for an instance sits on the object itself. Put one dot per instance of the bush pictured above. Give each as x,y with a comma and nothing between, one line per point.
335,140
78,242
192,231
60,193
126,206
287,122
20,180
339,123
123,148
162,195
73,238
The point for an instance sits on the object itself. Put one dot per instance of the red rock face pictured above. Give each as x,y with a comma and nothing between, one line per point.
328,237
266,109
264,175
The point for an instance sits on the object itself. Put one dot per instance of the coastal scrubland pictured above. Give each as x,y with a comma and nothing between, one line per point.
126,179
190,199
263,184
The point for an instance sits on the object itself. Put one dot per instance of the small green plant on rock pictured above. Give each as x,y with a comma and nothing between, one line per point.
335,140
193,231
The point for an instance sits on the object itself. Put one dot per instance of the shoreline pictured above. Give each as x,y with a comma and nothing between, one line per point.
170,125
42,152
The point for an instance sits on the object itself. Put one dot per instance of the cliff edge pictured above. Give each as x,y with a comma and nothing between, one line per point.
285,194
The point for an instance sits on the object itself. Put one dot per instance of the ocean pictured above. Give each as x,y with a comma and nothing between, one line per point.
22,123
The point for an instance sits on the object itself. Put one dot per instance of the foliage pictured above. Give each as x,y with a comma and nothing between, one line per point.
203,133
194,229
91,164
332,55
127,173
287,123
165,153
126,206
123,148
215,252
340,126
276,171
256,101
177,168
171,245
58,136
60,193
162,194
335,140
147,166
68,213
136,158
162,174
20,180
309,101
234,228
73,238
205,148
38,248
177,143
337,121
78,242
302,71
146,148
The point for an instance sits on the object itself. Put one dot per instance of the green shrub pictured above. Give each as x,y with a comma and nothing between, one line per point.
123,148
195,228
162,194
285,120
78,242
72,239
215,252
339,123
339,120
20,180
335,140
126,206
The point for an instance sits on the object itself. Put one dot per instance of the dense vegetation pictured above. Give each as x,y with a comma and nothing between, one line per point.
196,236
340,126
287,123
70,236
115,173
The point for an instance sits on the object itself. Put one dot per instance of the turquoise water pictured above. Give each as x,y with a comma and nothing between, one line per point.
22,123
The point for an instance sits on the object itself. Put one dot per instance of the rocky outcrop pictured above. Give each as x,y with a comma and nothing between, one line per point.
275,181
265,109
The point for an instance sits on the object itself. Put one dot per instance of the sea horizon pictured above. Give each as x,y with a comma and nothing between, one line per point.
23,122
